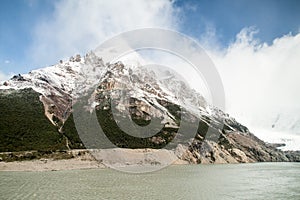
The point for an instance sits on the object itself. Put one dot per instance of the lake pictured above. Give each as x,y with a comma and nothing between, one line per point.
227,181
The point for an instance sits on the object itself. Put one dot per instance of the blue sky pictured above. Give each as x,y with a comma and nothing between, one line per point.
38,33
17,21
273,18
20,19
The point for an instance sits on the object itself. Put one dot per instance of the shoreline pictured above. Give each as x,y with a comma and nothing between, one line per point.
90,159
116,158
49,165
44,165
75,159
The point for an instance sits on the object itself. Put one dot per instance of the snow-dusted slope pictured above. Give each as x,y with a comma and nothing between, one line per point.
60,84
148,86
146,95
59,79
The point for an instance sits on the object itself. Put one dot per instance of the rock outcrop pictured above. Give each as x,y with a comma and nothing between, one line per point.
209,135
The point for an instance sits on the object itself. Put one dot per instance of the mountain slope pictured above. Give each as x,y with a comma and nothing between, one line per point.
121,93
23,123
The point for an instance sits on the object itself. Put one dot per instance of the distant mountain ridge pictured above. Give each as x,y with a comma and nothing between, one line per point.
148,98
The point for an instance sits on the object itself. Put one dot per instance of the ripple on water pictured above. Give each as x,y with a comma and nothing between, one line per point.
235,181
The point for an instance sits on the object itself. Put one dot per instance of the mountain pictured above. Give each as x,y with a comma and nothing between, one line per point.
52,109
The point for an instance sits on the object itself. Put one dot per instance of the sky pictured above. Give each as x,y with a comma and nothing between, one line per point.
31,30
255,45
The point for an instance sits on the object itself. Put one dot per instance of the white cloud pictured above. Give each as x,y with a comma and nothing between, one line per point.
262,81
6,61
80,26
31,3
3,76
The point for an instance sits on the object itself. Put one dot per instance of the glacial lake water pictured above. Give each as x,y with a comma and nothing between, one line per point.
230,181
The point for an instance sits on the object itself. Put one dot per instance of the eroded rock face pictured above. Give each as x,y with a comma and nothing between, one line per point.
143,97
239,148
60,84
293,156
234,145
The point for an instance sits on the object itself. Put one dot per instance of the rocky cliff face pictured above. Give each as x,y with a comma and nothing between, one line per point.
122,93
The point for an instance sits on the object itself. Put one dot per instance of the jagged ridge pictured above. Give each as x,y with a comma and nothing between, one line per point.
148,99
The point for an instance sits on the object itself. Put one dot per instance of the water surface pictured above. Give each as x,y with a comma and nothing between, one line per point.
232,181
